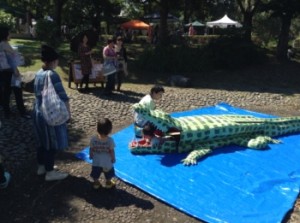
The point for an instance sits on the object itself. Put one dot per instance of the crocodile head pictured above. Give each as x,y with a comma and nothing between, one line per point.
167,129
161,120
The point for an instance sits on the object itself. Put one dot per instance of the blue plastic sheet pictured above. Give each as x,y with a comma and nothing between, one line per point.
233,184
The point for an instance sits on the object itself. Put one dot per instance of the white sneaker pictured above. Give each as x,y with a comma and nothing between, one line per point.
54,175
41,170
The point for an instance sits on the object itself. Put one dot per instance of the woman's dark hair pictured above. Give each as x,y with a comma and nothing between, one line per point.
48,54
82,36
4,33
120,38
104,126
157,88
110,41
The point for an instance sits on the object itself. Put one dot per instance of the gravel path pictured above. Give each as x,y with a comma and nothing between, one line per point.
78,203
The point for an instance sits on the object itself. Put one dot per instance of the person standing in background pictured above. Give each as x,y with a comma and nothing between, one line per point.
155,34
110,58
150,33
122,61
192,31
10,79
119,32
84,52
51,139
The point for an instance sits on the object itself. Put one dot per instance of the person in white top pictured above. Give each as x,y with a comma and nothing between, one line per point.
102,153
10,79
142,127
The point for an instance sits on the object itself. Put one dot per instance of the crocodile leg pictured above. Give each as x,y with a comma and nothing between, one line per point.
261,142
204,149
252,142
193,156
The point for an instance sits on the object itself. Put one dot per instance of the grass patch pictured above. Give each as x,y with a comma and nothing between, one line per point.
206,66
31,50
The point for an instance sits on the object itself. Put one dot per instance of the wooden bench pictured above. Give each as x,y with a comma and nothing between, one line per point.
75,75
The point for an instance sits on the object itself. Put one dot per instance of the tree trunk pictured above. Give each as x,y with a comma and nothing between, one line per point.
283,40
163,28
248,25
186,11
248,9
58,10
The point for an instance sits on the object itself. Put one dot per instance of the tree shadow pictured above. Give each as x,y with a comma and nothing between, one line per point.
29,198
273,77
101,198
117,96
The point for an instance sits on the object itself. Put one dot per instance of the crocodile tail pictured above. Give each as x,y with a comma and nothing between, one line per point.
282,126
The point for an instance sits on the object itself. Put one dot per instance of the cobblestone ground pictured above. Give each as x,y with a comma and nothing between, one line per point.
30,199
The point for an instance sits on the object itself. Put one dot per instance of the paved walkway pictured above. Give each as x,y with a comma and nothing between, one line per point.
17,141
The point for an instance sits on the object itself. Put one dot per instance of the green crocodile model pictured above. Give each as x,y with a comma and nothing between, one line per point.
200,134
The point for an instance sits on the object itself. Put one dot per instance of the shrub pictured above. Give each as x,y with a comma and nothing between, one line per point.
230,52
222,53
7,20
170,59
46,31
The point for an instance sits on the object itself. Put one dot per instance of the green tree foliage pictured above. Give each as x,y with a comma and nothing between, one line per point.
286,11
90,13
7,20
226,52
218,8
248,8
46,31
265,29
295,28
132,9
204,10
84,12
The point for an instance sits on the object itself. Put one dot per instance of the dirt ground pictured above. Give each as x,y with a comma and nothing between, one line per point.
30,199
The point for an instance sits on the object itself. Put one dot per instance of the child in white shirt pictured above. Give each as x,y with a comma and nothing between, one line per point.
142,127
102,152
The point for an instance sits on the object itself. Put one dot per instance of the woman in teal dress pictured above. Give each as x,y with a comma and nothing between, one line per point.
50,138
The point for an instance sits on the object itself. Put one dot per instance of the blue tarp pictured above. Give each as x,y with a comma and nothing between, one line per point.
233,184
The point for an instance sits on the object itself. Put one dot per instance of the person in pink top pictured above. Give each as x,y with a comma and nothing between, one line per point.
192,31
110,57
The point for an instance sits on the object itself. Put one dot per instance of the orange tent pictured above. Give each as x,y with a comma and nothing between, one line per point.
135,24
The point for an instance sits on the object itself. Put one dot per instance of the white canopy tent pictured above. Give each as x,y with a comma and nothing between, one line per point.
224,23
195,23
